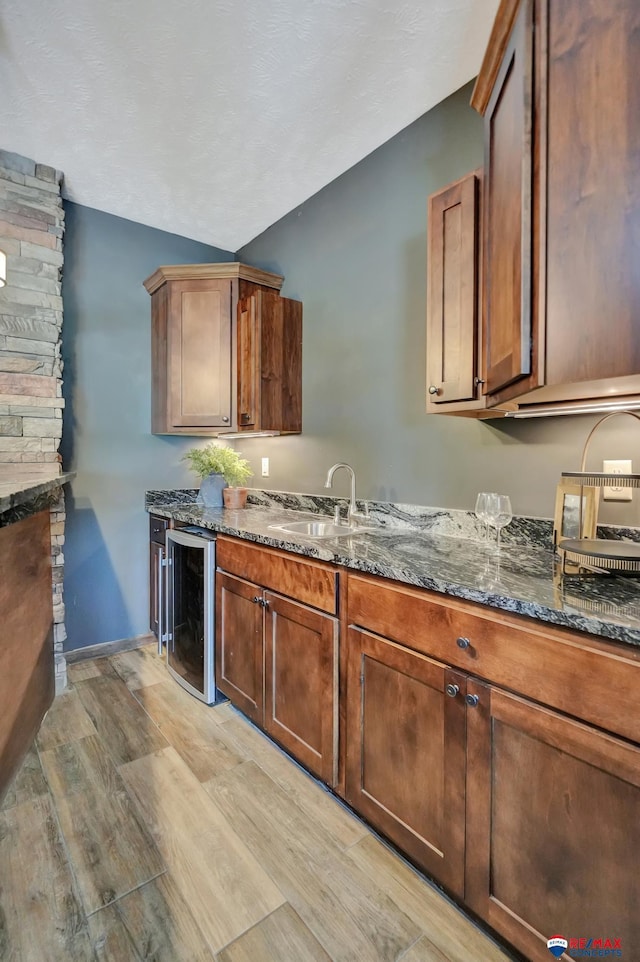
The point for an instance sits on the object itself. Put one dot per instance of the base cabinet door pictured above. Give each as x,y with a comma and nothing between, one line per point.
549,799
406,755
301,683
239,650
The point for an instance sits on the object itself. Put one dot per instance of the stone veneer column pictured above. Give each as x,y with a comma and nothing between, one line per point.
31,403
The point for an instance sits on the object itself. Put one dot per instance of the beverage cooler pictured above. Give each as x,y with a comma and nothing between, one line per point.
190,610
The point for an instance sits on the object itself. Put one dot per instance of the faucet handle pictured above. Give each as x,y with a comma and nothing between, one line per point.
336,514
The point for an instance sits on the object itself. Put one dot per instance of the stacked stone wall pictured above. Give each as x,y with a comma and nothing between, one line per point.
31,401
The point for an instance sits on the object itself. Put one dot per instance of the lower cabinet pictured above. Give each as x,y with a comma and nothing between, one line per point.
406,752
277,661
553,825
529,817
239,649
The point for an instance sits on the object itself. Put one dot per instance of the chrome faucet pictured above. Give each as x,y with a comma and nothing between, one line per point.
354,515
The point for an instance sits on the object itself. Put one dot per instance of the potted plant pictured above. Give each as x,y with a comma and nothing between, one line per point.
223,473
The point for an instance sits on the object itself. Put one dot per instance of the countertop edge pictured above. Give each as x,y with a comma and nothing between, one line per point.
30,496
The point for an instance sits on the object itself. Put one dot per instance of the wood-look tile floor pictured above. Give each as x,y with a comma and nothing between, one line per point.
146,826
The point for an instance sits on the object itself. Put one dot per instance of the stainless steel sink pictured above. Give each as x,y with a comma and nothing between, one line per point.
317,529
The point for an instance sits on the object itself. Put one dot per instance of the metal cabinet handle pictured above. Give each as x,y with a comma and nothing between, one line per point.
472,700
257,600
452,690
160,601
478,380
463,643
265,603
433,389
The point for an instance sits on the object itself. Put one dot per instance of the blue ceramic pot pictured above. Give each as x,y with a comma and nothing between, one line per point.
210,494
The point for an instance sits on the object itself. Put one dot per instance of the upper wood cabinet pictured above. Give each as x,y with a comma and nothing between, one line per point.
561,207
226,351
453,349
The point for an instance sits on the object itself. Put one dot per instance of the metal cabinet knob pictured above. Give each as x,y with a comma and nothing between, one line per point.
225,418
478,380
433,389
472,700
452,690
463,642
257,600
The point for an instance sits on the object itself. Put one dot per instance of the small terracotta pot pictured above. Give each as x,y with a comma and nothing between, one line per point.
235,497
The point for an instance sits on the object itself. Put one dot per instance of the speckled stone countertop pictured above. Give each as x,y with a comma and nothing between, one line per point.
438,550
24,496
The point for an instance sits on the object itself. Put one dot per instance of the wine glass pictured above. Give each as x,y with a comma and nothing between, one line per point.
482,503
499,513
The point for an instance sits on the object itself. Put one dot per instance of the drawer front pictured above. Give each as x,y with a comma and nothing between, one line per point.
592,680
158,528
312,582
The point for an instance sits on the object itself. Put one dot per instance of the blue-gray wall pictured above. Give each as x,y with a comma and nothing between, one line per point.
355,254
106,433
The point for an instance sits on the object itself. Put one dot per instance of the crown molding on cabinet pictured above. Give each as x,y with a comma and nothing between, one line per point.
180,272
502,26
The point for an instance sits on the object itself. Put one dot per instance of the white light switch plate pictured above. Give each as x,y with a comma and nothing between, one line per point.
611,493
265,467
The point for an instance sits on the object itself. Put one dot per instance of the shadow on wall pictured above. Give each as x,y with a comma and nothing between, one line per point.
88,563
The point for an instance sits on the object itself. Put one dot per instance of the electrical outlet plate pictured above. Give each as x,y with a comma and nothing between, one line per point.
610,492
265,467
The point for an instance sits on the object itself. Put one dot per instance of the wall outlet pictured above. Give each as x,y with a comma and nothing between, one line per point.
611,492
265,467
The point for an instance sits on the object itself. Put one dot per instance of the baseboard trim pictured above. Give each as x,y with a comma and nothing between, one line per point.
108,648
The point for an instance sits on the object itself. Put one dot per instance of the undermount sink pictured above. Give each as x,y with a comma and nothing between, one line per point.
317,529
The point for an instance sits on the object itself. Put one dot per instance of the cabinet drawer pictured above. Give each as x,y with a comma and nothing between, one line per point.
577,674
158,528
311,582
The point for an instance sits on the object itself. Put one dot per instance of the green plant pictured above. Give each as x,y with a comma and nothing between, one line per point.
215,459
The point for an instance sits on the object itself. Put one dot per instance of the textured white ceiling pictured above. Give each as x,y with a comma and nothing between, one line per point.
214,118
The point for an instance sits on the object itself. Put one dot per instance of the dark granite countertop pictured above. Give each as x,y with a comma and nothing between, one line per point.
519,578
24,496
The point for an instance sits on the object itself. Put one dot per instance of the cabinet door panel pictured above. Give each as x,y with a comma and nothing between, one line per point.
507,213
593,190
199,351
301,683
406,756
548,799
249,364
452,290
239,650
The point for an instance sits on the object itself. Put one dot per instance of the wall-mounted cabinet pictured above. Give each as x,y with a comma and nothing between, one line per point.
561,208
226,351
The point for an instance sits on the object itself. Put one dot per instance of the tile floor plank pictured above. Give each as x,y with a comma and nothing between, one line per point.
125,729
190,729
444,925
65,721
154,922
40,914
92,668
109,845
281,937
141,667
318,803
222,882
423,951
28,784
343,908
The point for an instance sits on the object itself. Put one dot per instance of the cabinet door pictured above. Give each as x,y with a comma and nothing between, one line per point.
553,825
406,754
301,683
269,363
452,289
156,553
248,346
239,649
507,212
199,353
